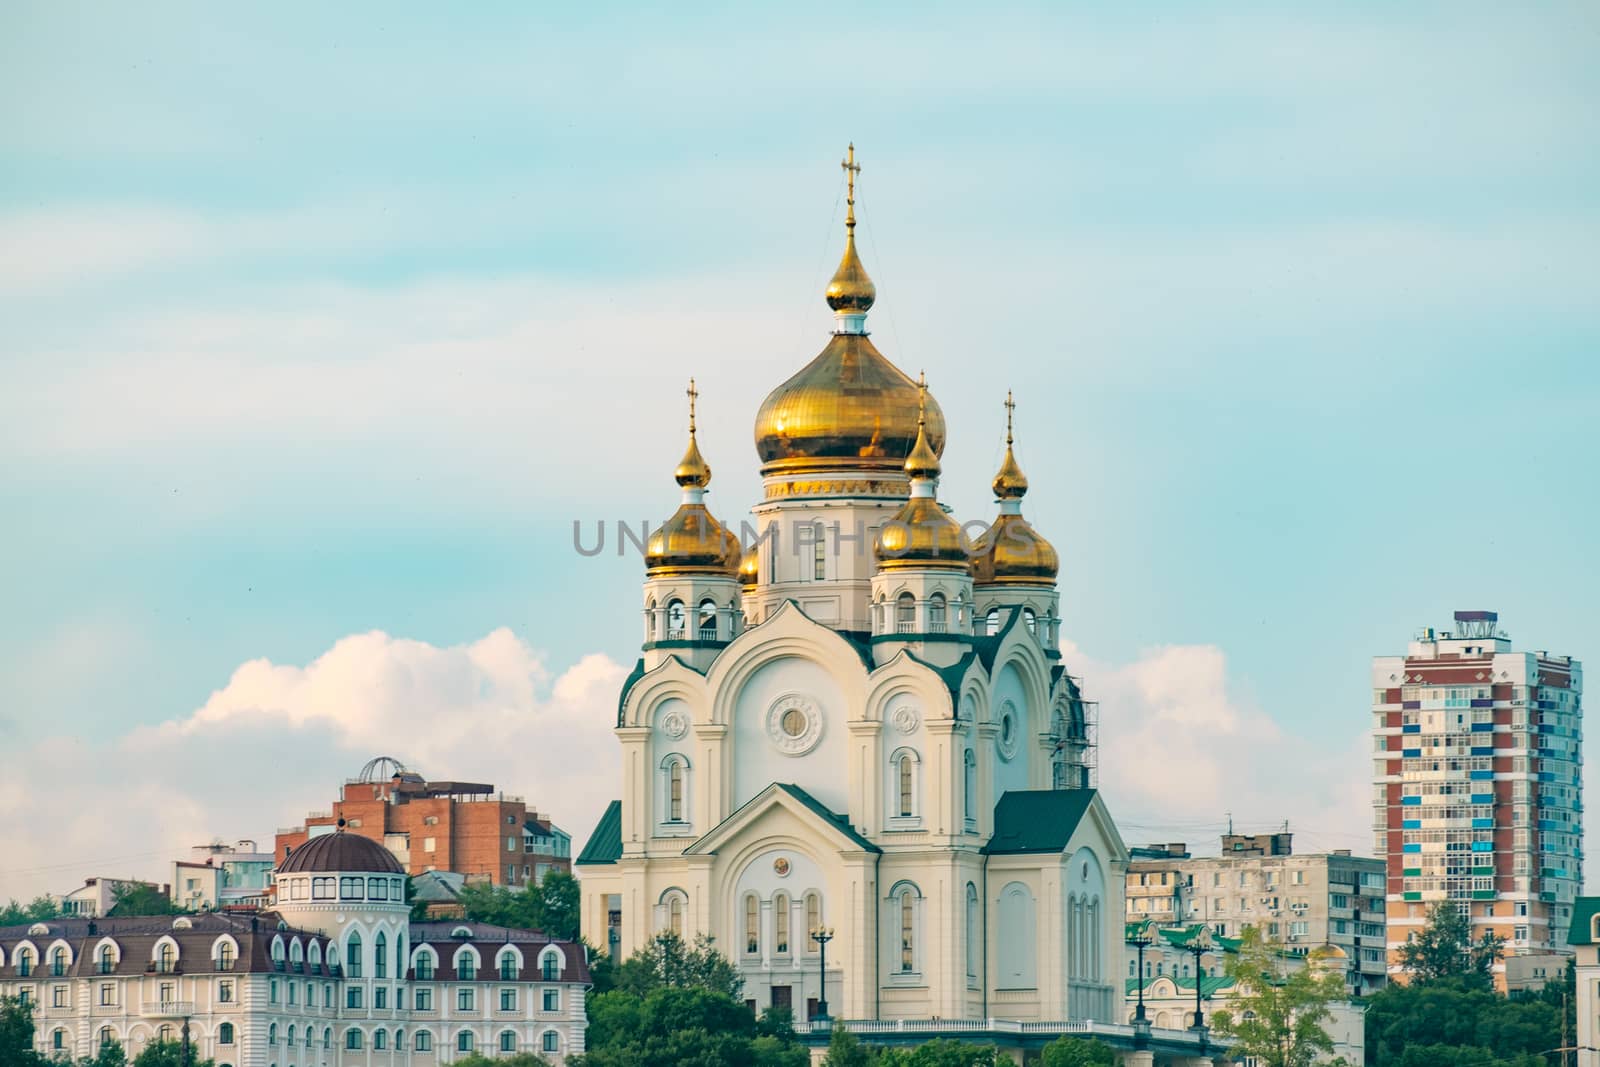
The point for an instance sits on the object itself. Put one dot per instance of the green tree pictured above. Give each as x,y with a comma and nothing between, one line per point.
38,910
1275,1014
516,1059
1450,1021
940,1052
1077,1052
1445,949
846,1050
688,1025
111,1054
559,900
16,1034
140,898
169,1054
419,908
668,961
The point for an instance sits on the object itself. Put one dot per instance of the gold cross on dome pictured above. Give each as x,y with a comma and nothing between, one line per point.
851,169
692,394
1010,407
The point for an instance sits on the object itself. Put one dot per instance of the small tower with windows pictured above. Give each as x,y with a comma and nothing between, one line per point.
692,589
1014,568
922,591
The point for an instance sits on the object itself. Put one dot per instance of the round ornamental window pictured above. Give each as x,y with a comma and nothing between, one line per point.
794,724
1006,740
1085,870
780,867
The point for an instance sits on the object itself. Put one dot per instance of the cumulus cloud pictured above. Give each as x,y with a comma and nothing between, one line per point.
1180,753
277,740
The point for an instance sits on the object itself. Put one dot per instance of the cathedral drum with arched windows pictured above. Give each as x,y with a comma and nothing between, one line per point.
861,726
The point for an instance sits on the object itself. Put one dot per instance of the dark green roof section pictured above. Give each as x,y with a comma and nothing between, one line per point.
1037,820
1182,935
1584,910
605,844
627,687
841,821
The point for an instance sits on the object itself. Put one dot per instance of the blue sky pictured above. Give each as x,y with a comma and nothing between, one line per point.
327,321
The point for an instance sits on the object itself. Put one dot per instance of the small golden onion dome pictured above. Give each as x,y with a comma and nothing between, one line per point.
921,536
692,541
693,471
749,570
1011,552
851,288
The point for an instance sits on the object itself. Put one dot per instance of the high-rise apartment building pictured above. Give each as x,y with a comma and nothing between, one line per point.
1477,794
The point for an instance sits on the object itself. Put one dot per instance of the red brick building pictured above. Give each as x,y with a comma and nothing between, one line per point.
465,827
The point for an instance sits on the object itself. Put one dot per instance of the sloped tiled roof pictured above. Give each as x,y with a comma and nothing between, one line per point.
605,844
1037,820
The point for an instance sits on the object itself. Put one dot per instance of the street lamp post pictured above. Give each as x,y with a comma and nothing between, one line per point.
1199,944
822,935
185,1033
1141,1025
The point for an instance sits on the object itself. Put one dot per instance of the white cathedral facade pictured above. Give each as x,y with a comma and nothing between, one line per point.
861,725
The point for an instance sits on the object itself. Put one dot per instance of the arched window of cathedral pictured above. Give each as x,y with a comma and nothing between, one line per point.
708,620
819,553
907,908
903,766
675,915
969,786
675,620
905,614
650,619
752,925
959,619
1092,937
813,919
936,614
1030,620
780,924
380,956
352,956
991,622
675,791
972,929
880,620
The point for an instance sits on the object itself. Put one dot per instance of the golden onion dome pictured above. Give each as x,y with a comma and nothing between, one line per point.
849,409
921,535
1011,551
692,541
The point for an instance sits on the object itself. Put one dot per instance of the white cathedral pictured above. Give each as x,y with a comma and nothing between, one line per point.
861,727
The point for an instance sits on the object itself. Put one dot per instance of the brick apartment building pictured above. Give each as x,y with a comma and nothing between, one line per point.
466,827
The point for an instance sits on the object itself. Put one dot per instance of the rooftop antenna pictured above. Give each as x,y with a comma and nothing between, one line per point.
1230,824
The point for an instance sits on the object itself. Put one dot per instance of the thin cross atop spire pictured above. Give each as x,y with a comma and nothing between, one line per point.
851,169
1010,407
692,394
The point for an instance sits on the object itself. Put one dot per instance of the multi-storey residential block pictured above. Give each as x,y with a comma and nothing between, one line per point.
1478,784
1307,901
336,976
465,827
222,876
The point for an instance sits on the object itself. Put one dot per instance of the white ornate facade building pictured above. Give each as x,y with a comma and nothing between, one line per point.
862,723
336,976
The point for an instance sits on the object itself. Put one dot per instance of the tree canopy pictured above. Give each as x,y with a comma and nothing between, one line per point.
1457,1021
1444,948
1276,1014
550,906
169,1054
38,910
140,898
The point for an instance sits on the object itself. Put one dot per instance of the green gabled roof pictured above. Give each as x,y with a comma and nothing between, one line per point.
1037,820
841,821
1584,909
605,844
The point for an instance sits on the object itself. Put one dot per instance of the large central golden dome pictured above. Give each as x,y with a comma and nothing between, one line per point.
849,409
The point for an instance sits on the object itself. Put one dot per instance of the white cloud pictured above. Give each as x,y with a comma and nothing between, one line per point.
1179,753
277,740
